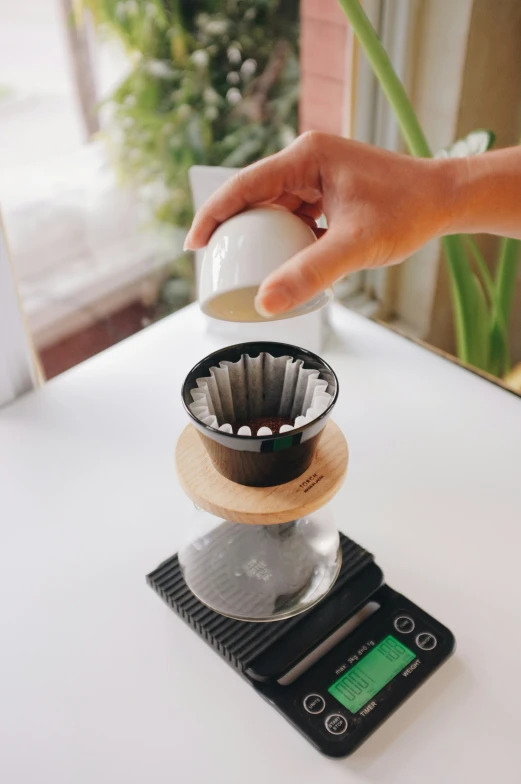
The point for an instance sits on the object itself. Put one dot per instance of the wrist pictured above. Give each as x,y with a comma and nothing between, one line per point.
484,192
453,193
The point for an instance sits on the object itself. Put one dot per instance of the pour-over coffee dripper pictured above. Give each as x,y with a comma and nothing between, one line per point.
257,548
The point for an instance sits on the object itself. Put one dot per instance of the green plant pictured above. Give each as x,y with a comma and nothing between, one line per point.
481,303
211,82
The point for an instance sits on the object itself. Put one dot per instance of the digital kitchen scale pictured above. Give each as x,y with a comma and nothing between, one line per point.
338,670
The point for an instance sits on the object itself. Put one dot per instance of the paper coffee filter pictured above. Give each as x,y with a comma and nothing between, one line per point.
263,386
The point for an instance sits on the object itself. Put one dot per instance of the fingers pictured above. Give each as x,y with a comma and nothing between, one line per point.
288,201
296,204
295,170
311,210
308,273
263,181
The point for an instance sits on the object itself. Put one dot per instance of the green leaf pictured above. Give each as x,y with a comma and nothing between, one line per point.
462,294
500,295
486,277
474,143
499,354
506,274
480,320
388,78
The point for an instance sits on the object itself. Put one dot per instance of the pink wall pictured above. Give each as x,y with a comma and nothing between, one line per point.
323,58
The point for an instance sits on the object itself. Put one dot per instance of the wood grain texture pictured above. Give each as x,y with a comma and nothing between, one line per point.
262,505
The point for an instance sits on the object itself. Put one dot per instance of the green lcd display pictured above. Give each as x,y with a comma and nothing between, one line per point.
360,684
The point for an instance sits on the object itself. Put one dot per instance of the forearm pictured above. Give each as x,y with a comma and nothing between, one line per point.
486,193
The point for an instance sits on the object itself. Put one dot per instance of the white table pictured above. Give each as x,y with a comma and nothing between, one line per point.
100,682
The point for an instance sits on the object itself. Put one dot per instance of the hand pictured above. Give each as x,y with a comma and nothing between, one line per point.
380,208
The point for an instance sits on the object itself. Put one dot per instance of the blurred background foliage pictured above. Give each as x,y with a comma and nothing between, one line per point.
212,82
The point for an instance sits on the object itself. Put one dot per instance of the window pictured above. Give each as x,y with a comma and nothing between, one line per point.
98,126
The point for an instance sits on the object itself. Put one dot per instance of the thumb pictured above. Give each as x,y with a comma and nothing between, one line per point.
308,273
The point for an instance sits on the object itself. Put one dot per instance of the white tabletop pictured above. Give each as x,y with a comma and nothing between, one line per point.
101,682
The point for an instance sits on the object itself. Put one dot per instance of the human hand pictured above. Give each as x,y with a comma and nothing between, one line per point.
380,208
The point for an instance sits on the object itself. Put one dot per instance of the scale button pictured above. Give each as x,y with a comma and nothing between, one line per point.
336,724
404,624
314,703
426,641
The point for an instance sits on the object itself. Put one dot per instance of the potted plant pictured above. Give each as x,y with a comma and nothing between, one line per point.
211,82
481,302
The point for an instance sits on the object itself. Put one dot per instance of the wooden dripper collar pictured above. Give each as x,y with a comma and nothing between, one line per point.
211,491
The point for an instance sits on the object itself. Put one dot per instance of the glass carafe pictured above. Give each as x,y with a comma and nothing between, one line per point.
260,572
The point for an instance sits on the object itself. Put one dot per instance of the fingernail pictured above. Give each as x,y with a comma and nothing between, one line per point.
261,310
187,245
273,300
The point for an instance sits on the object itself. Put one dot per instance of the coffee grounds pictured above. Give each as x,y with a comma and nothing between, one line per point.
255,423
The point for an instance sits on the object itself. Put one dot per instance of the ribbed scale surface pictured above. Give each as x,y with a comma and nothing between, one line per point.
239,642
